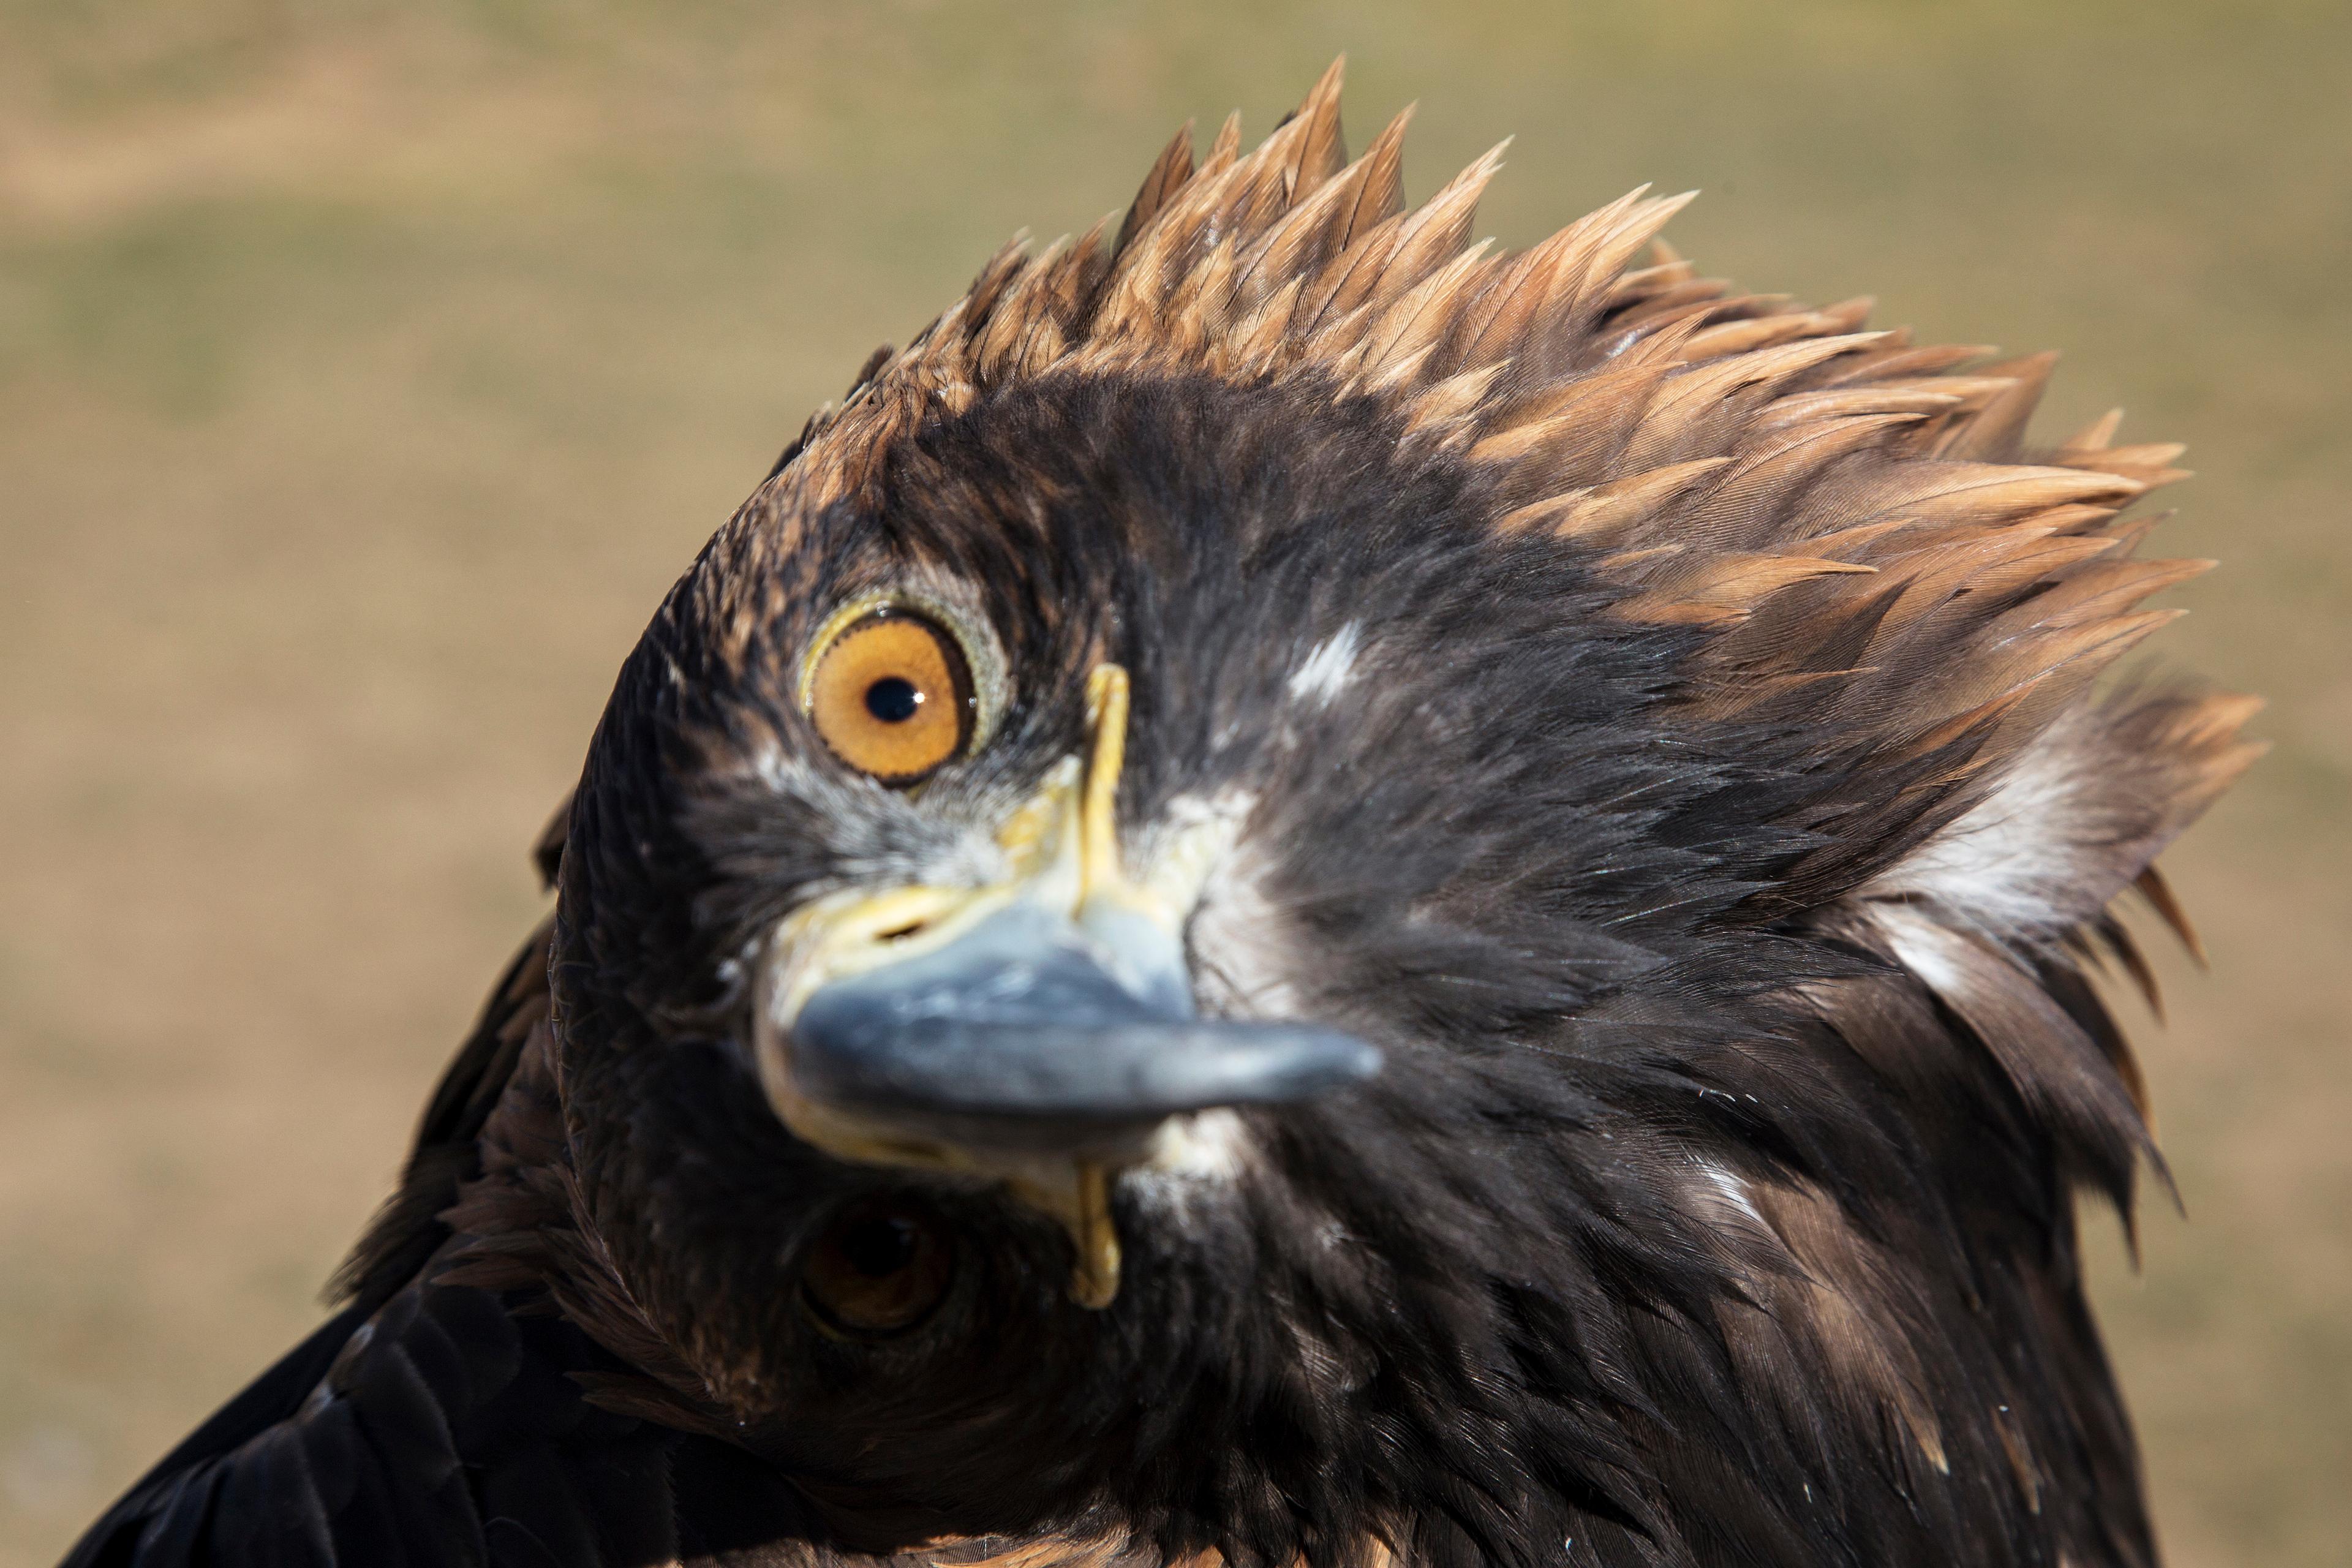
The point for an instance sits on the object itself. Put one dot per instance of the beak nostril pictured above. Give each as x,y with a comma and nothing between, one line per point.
902,933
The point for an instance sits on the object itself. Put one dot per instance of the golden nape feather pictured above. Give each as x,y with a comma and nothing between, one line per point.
1832,500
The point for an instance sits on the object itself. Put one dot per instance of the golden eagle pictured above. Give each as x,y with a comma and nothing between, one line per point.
1302,894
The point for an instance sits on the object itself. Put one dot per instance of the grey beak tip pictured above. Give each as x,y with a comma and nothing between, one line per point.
1358,1062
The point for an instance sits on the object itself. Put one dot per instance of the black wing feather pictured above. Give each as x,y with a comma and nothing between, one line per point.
419,1447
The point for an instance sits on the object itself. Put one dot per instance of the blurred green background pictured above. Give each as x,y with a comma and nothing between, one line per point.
368,370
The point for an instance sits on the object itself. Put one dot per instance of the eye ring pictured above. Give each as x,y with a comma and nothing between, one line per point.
898,687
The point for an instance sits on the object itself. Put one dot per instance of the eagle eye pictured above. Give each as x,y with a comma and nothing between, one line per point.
879,1269
890,691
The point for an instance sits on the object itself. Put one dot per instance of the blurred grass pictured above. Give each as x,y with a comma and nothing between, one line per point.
367,370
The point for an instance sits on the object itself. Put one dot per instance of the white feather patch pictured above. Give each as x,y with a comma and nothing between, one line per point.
1195,1164
1241,947
1726,1191
2033,856
1329,668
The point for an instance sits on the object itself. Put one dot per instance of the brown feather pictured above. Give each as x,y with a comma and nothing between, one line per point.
1167,176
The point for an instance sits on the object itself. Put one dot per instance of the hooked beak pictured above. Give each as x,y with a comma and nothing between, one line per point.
1040,1030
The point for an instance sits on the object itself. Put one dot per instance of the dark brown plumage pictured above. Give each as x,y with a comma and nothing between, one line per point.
1660,720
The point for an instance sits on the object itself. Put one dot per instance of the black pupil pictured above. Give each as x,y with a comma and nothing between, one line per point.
893,699
879,1247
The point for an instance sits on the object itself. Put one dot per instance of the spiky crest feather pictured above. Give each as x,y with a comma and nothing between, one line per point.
1856,519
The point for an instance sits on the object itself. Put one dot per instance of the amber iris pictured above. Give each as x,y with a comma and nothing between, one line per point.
878,1269
891,694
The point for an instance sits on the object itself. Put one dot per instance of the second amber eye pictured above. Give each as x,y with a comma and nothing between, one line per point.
891,694
878,1269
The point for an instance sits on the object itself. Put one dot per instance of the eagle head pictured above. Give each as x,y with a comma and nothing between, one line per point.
1302,890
